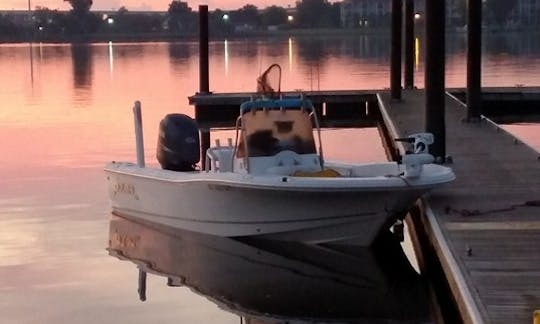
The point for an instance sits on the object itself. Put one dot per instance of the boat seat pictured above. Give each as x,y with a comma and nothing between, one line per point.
375,169
291,170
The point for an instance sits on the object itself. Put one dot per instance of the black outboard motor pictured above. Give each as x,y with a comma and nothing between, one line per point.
178,143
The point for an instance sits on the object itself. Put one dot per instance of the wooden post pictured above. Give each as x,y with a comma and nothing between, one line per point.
434,76
474,60
204,84
409,44
395,66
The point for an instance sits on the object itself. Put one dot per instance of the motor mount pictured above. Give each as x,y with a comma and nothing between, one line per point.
420,142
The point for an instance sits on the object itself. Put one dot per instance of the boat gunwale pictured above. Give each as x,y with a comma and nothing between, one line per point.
289,183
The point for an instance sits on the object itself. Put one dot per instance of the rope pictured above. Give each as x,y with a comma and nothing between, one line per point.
477,212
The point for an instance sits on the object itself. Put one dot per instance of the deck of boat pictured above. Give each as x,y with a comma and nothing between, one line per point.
485,227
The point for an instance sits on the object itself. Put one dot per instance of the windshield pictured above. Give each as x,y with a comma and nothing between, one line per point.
268,132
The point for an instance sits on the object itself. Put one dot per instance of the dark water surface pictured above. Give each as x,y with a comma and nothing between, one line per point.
66,111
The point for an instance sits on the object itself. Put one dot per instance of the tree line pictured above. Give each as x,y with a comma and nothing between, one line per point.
179,20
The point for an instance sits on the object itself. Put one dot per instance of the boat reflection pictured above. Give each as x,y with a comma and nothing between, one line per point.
278,282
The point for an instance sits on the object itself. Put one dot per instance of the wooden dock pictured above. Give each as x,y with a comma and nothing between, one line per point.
342,108
485,226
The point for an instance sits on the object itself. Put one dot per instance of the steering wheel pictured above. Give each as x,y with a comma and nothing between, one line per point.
287,158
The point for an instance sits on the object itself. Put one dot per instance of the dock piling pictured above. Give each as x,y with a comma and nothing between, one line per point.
204,74
434,77
395,67
474,60
409,44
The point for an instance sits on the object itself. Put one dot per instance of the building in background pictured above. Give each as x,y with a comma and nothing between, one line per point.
376,13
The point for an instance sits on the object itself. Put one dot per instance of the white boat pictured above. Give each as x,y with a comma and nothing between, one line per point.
272,182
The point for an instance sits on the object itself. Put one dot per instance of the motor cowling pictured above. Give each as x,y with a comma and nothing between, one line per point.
178,146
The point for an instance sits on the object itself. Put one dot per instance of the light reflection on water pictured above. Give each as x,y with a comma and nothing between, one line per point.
527,132
66,111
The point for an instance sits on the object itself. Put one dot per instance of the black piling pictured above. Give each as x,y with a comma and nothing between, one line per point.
434,76
395,67
204,74
474,61
409,44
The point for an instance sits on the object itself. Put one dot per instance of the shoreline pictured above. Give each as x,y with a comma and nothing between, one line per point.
169,37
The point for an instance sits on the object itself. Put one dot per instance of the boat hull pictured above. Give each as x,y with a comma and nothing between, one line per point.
219,207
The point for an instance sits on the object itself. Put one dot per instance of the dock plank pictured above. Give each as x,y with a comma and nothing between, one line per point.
492,236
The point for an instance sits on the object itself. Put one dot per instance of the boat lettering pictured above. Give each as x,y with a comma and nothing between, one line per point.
125,240
126,188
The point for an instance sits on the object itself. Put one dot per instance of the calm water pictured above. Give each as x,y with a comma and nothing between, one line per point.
66,111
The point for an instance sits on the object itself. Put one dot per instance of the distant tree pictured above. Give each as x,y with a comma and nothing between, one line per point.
501,9
335,14
48,23
135,23
274,16
81,21
7,28
460,7
80,7
122,10
217,24
178,7
247,15
314,13
180,17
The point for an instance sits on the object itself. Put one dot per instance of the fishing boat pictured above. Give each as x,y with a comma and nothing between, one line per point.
272,182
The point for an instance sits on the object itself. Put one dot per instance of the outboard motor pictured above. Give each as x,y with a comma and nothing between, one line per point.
178,143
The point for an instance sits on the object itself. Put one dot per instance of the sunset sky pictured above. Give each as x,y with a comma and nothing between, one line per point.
159,5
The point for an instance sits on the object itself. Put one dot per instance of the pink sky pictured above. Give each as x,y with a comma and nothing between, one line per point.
159,5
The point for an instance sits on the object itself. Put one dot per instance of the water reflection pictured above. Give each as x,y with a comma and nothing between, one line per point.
179,53
81,58
111,59
265,281
512,44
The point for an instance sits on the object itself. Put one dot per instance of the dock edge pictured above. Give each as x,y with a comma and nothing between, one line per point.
454,276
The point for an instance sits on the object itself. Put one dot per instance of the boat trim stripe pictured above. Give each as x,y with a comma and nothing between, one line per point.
125,212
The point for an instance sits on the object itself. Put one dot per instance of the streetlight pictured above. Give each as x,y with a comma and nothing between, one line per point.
417,16
226,17
290,18
110,21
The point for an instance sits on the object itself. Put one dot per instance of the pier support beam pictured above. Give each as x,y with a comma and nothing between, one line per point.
409,44
474,60
395,67
434,76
